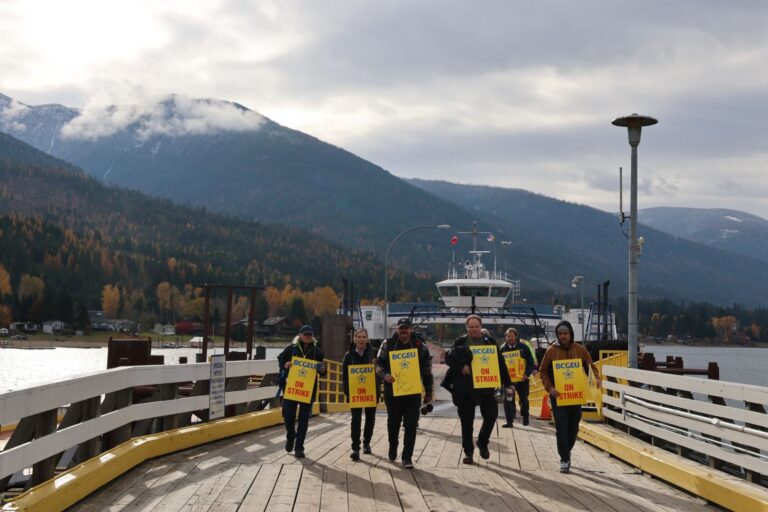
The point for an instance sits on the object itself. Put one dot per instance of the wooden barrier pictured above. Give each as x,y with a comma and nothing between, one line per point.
720,423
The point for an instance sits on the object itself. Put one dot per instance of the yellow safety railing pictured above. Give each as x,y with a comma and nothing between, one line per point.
331,389
593,409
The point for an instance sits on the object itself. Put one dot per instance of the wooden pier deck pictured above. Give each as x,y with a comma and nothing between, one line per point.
252,472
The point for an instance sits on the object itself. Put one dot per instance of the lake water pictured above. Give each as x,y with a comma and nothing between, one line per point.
22,368
737,364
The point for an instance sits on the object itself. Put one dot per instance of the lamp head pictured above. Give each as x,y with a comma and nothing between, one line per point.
634,124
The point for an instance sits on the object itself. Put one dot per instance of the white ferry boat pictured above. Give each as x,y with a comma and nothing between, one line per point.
471,287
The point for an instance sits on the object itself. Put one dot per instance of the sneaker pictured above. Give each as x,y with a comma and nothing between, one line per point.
507,425
367,449
484,452
525,420
289,444
355,455
565,466
407,464
468,460
299,454
392,455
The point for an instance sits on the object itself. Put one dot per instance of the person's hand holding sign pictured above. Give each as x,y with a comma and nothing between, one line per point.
389,379
287,365
465,370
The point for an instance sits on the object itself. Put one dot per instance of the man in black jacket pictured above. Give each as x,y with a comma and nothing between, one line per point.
360,353
513,344
465,396
404,409
304,345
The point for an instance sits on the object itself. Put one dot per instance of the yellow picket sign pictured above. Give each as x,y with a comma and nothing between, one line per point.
404,367
570,381
362,385
485,367
515,365
301,380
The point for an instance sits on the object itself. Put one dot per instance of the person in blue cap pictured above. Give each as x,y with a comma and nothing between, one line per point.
304,345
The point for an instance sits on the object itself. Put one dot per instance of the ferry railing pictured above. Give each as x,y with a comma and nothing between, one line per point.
722,424
101,411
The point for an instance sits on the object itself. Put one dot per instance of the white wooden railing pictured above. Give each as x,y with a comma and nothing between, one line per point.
723,422
102,409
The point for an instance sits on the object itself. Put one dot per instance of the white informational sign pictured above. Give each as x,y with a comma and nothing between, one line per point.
218,387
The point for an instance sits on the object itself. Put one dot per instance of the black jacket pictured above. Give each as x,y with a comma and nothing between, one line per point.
425,361
461,355
296,349
352,357
524,352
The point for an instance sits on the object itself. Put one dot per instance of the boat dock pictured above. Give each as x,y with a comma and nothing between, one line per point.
253,472
140,438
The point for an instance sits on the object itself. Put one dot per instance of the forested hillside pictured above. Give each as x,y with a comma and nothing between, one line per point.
78,236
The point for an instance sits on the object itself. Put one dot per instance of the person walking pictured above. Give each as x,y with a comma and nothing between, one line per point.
304,345
514,344
567,417
404,408
465,396
360,353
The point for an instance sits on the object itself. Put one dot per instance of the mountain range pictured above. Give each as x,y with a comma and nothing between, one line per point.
228,159
729,230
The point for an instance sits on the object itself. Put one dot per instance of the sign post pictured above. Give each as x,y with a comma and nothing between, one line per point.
217,393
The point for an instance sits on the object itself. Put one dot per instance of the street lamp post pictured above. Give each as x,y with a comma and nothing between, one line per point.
386,264
634,124
579,281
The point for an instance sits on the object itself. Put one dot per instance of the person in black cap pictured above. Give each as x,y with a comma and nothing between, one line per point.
513,344
404,409
466,397
304,345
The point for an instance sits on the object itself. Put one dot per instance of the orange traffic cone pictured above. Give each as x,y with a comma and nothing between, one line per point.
545,413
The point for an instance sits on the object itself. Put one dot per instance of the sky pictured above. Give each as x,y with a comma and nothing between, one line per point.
502,93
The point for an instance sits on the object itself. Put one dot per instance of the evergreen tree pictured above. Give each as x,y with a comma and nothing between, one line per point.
297,311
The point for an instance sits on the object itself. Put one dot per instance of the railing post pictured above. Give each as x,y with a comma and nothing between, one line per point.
45,423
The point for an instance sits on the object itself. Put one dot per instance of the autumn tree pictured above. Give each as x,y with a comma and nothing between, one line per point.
5,282
322,301
30,288
110,300
6,318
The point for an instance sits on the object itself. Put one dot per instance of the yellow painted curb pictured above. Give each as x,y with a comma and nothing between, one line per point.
710,484
75,484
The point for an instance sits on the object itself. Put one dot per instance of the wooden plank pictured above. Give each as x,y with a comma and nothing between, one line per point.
155,493
435,495
548,458
384,492
508,493
526,454
408,491
744,461
237,486
333,496
452,451
261,489
208,492
430,455
310,489
284,492
703,427
699,406
727,390
360,488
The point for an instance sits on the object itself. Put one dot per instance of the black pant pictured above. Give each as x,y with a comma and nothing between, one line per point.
567,418
489,409
521,390
370,420
402,410
289,415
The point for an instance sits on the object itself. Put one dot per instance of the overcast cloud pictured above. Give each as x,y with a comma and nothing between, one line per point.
515,94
